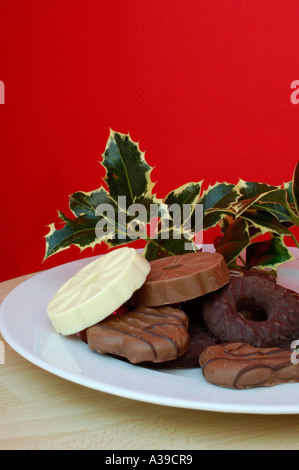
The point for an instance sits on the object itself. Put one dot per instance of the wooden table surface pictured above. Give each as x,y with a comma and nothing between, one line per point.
41,411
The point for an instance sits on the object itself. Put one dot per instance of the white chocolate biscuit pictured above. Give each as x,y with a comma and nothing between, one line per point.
97,290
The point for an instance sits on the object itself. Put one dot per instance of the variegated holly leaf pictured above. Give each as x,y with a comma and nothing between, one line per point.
268,254
217,201
161,248
174,227
127,172
250,190
105,216
234,241
79,232
128,177
97,220
276,202
84,202
181,204
268,211
265,212
252,193
185,194
265,221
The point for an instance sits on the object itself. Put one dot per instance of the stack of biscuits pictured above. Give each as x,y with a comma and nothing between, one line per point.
168,324
183,311
155,328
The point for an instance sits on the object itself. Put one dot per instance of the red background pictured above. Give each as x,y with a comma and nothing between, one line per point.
203,85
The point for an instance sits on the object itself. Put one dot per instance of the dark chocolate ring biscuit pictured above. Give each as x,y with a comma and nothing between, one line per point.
181,277
278,307
239,365
142,334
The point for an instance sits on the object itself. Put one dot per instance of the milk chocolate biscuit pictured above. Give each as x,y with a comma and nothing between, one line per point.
240,365
142,334
181,277
200,339
253,310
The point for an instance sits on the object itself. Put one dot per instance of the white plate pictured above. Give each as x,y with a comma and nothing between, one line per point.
26,328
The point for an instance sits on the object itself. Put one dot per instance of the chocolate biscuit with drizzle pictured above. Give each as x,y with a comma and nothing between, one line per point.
142,334
240,365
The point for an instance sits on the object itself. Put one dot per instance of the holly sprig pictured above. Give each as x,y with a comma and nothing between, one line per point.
243,211
261,209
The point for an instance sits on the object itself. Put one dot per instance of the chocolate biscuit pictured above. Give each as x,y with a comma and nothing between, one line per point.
254,310
200,339
240,365
181,277
142,334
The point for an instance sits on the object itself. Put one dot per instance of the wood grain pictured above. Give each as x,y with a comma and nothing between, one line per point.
41,411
